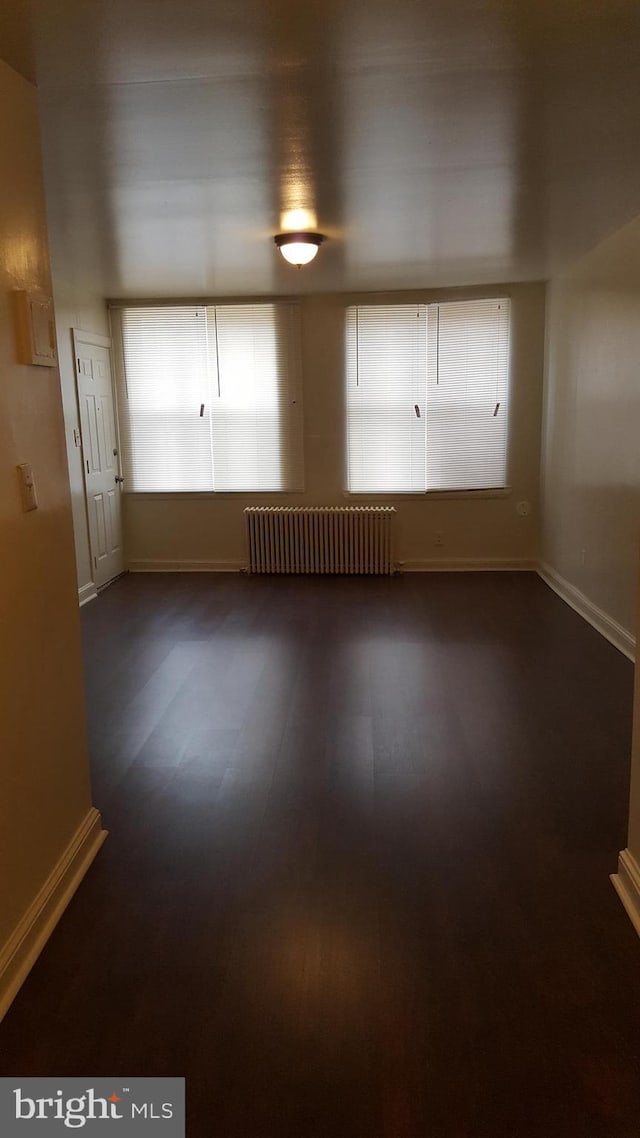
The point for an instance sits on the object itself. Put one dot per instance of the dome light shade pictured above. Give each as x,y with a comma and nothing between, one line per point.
298,248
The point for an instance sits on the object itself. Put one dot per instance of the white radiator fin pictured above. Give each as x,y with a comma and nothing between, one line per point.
320,539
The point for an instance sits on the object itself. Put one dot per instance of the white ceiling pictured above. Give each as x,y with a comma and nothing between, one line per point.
438,141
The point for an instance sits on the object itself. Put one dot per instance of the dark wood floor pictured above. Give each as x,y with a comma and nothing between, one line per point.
356,883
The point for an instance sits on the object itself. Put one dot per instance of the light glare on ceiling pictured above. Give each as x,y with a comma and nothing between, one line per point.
298,219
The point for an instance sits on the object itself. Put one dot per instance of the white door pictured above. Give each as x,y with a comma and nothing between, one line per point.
100,454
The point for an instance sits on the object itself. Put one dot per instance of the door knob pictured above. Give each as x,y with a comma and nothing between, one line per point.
119,479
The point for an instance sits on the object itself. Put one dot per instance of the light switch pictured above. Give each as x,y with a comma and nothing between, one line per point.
27,487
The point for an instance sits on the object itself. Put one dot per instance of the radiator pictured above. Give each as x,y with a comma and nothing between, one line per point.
320,539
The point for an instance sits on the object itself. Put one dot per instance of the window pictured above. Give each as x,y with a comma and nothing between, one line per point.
427,396
208,397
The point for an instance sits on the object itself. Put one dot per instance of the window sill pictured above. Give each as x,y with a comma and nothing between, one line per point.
217,495
436,495
267,496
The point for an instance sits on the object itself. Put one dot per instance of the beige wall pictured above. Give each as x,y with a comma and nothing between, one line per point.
165,530
45,782
627,879
591,451
634,800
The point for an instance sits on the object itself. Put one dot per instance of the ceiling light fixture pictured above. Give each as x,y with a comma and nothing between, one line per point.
298,248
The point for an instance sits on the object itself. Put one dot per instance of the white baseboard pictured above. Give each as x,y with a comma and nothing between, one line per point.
32,933
467,565
459,564
152,566
626,883
620,637
87,593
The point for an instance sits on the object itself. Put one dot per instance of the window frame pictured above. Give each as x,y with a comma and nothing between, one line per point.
461,296
295,348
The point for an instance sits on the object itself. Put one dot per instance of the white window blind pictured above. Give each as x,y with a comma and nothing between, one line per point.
208,397
386,368
427,396
467,395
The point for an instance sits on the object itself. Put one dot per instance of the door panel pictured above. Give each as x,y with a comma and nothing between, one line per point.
90,436
100,527
108,456
114,522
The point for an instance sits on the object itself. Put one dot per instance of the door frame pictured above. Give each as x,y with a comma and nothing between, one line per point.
95,340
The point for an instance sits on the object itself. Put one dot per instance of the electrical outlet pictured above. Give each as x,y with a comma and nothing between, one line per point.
438,538
523,509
